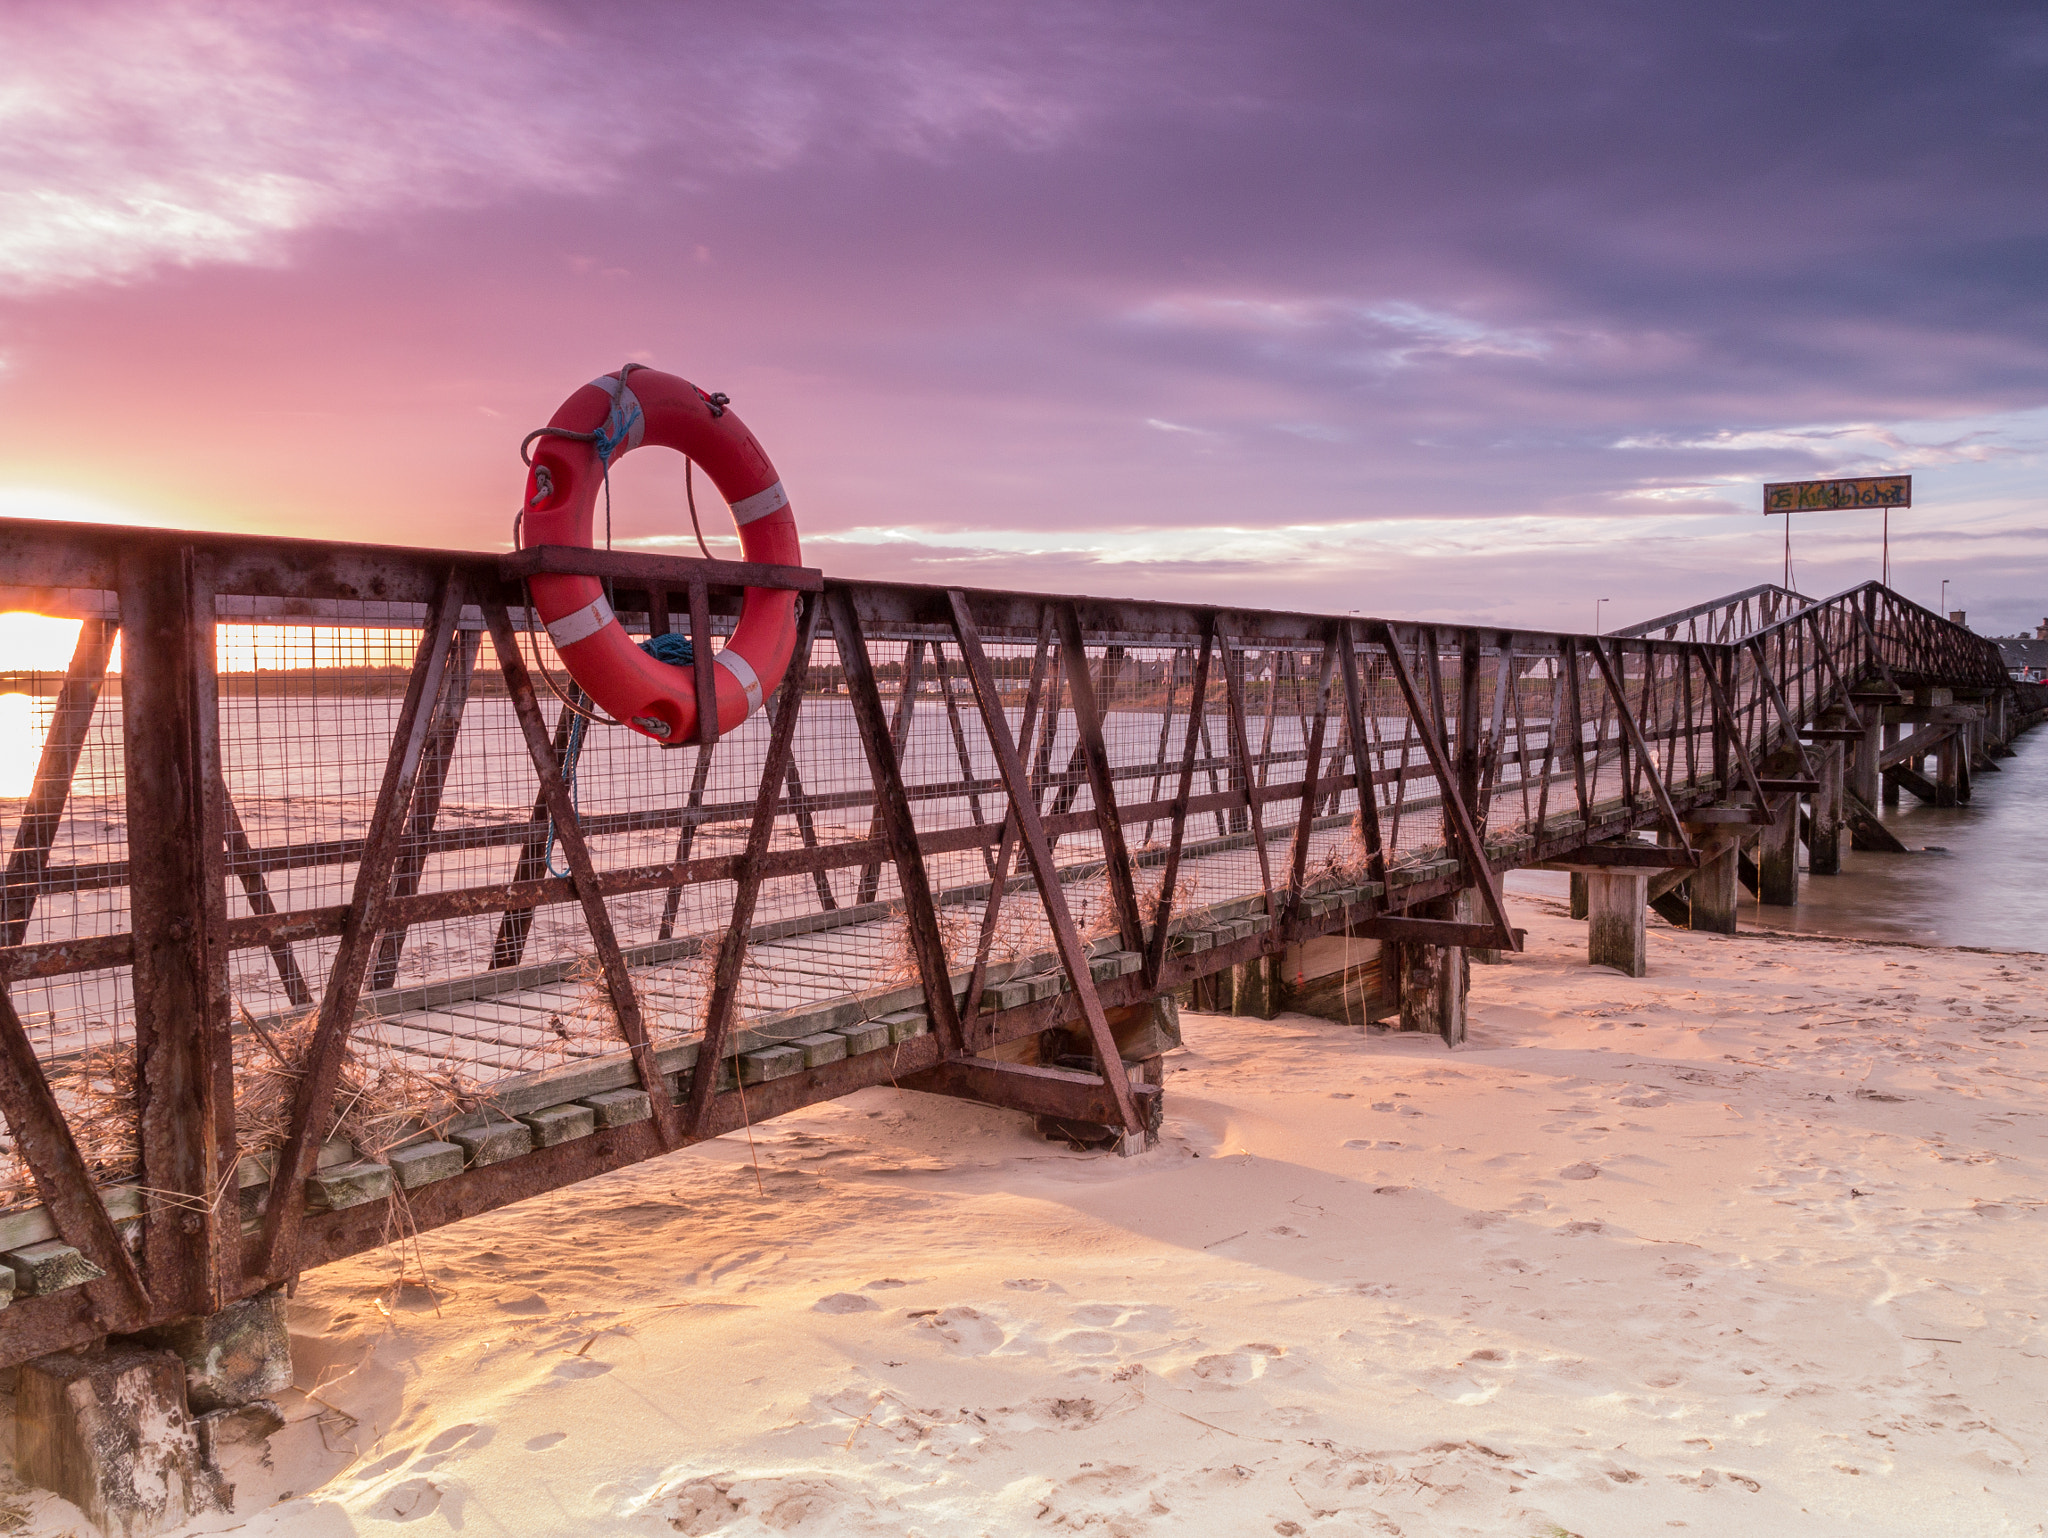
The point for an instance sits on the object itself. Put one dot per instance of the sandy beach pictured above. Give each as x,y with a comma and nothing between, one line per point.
1750,1245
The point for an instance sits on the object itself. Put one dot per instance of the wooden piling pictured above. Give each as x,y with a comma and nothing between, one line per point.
1777,855
1615,903
1434,980
1824,839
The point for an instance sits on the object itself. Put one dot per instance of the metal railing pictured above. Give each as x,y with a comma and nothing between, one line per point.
326,844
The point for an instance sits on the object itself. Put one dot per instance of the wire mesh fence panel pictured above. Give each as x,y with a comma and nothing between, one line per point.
493,959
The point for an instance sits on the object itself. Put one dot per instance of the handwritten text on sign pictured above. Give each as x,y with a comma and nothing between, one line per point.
1830,496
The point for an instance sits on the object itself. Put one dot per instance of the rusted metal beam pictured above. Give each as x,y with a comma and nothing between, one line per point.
700,776
536,846
436,758
1123,893
1304,826
257,891
1628,857
1634,734
1457,814
1066,938
885,767
1162,910
1788,724
722,1007
908,683
618,979
1390,926
56,768
1358,724
961,754
313,1106
43,1139
1067,1093
1241,750
178,909
673,573
999,877
702,662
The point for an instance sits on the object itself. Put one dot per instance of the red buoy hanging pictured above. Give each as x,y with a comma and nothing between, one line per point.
605,419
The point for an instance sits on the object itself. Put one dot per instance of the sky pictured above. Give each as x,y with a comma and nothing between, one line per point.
1480,311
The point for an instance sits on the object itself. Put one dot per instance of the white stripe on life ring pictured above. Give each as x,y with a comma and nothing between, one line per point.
625,412
760,505
743,674
581,624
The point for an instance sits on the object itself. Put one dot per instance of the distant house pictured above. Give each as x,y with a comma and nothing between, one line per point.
2026,657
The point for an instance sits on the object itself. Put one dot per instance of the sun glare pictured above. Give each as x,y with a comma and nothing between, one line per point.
22,729
36,643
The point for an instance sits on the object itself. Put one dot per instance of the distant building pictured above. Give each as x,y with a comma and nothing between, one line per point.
2026,657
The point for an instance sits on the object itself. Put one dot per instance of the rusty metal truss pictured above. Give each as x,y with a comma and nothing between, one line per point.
342,791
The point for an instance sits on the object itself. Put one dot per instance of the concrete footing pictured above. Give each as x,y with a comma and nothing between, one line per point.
109,1431
232,1358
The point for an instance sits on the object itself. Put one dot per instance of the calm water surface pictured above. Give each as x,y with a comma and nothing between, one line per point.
1978,876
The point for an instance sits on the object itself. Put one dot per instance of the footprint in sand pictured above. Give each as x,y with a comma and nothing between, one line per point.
845,1303
1229,1369
408,1501
545,1440
582,1367
967,1331
1125,1316
444,1446
1581,1171
1087,1342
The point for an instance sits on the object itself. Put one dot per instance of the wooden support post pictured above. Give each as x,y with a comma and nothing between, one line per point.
1824,838
1580,901
1890,788
1255,989
1947,772
177,855
1615,904
1434,980
1777,859
1713,887
1862,766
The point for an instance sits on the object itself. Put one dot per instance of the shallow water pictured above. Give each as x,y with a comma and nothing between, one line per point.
1977,876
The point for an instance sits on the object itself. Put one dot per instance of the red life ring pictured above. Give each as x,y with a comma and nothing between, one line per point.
619,413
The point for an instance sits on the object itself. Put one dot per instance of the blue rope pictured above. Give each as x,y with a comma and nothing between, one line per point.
671,648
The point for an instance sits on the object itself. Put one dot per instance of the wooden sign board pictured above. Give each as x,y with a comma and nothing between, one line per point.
1833,496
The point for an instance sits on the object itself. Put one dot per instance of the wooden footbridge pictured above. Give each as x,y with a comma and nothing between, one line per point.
325,919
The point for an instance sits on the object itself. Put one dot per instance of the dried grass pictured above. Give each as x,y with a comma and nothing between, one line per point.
382,1095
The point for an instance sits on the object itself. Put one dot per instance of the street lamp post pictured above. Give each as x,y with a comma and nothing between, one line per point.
1596,614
